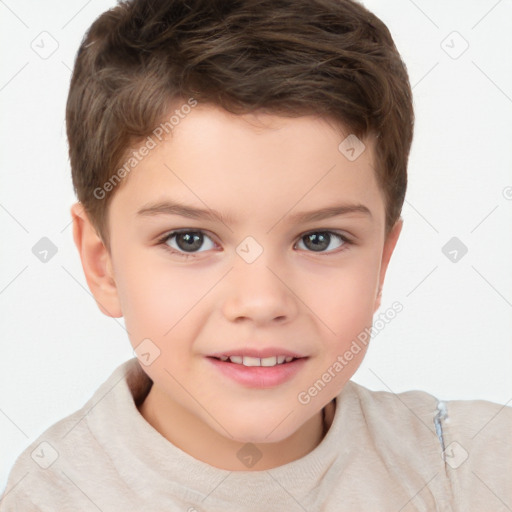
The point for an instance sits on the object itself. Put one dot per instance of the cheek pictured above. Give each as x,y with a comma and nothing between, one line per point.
153,299
342,300
163,302
343,296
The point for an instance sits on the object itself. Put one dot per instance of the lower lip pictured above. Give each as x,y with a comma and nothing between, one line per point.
259,376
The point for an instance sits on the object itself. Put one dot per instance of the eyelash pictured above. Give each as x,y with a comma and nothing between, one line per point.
163,242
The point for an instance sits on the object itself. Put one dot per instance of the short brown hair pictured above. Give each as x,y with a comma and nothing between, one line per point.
331,58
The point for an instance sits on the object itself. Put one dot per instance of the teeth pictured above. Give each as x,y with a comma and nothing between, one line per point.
251,361
255,361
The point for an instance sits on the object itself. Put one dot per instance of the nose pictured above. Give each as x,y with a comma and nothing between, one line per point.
259,294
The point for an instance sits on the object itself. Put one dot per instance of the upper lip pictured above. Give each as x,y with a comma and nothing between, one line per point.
258,353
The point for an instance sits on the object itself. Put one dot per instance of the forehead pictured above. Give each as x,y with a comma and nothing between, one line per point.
253,163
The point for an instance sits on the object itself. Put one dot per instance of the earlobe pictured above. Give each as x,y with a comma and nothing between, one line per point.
96,262
389,247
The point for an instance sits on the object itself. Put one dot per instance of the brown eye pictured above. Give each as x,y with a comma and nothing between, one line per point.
320,241
189,241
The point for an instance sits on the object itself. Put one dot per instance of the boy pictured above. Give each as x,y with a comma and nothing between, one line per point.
241,168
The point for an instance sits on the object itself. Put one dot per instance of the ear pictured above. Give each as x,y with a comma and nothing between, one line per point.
389,246
96,262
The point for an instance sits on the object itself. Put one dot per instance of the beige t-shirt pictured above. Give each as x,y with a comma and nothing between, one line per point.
383,452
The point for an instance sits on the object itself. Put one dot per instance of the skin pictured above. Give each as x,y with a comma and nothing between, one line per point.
257,171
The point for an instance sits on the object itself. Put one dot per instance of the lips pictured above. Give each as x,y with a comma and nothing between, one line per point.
257,375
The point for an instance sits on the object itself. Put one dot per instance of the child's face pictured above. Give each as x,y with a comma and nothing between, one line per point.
252,280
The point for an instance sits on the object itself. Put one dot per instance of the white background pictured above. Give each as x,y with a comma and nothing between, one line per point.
453,337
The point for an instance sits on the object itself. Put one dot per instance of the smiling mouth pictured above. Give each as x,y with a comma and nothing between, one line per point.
259,372
255,361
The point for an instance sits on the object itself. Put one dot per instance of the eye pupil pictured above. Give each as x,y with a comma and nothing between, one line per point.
189,241
317,241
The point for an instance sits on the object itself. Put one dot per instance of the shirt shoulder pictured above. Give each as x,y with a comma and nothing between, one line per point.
477,440
467,443
61,468
40,478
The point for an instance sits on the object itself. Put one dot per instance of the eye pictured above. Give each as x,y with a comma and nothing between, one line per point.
188,241
322,241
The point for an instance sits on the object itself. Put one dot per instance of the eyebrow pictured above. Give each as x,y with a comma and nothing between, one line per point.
172,208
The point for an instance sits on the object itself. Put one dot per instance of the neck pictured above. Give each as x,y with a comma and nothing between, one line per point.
193,436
